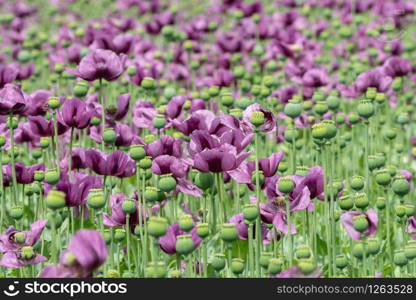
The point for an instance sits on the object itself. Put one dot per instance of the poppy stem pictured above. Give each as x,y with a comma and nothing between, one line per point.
14,187
70,154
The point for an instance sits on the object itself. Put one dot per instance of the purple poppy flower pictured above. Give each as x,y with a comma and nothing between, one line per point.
75,114
24,174
7,75
315,78
411,226
118,216
100,64
295,272
285,93
78,159
166,145
242,229
116,164
143,114
42,127
347,220
12,100
12,248
118,113
270,122
397,67
168,242
86,252
199,120
37,103
373,78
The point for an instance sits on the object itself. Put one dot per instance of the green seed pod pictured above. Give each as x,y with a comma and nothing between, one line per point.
306,266
107,236
186,223
381,203
303,251
400,258
184,244
410,250
54,102
357,183
229,232
360,223
365,109
202,230
159,121
27,252
321,108
400,210
345,202
237,266
254,177
265,258
137,152
157,226
400,186
391,133
341,261
218,262
293,109
250,212
373,246
410,209
109,136
51,176
16,212
283,166
148,83
291,134
119,235
55,199
257,118
204,180
358,250
319,131
96,198
333,102
214,91
128,206
383,177
151,194
354,118
80,89
331,129
19,237
275,266
145,163
285,185
39,175
95,121
167,183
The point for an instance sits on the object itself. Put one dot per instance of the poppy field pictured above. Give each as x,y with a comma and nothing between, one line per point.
207,139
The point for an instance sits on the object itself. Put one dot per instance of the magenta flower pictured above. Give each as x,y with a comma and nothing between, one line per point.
100,64
86,252
347,220
168,242
397,67
7,75
12,247
295,272
242,229
12,100
75,114
42,127
374,78
166,145
270,122
24,174
116,164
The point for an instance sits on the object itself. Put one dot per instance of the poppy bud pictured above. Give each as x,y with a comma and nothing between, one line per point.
186,223
80,89
391,133
383,177
54,103
410,209
39,175
373,246
357,183
341,261
285,185
306,266
275,266
257,118
166,183
214,91
358,250
131,70
16,212
51,176
360,223
400,210
345,202
229,232
400,186
204,180
96,198
333,102
321,108
128,206
250,212
293,109
354,118
157,227
159,121
148,83
55,199
109,136
361,200
218,262
119,235
283,166
400,258
265,258
184,244
113,274
151,194
254,177
365,109
145,163
237,266
381,203
303,251
27,253
227,99
19,237
410,250
202,230
137,152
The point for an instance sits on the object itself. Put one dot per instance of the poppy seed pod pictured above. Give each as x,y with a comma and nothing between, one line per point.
400,186
275,266
95,121
358,250
184,244
357,182
157,227
128,206
159,121
112,273
54,103
285,185
51,176
227,99
333,102
137,152
291,134
354,118
96,198
148,83
391,133
360,223
303,251
55,199
19,237
218,262
2,140
257,118
204,180
151,194
410,250
166,183
293,109
229,232
186,223
319,131
381,203
202,230
383,177
410,209
80,89
237,266
107,236
365,109
250,212
27,252
16,212
345,202
400,258
320,107
361,200
39,175
145,163
306,266
341,261
373,246
254,177
109,136
119,235
331,129
265,258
